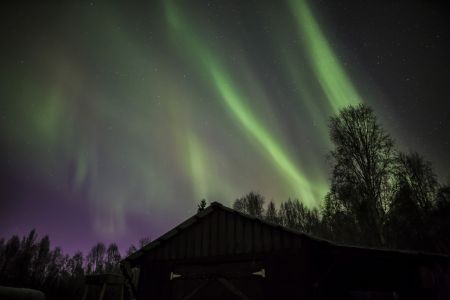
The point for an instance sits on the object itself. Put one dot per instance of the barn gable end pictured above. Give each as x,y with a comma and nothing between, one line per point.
220,253
220,231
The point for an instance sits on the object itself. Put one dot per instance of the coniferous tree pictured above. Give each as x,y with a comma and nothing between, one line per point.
201,206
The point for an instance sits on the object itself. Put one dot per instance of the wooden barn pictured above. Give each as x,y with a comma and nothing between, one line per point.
220,253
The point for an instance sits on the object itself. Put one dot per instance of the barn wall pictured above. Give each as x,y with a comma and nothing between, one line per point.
224,237
223,233
286,274
223,244
154,281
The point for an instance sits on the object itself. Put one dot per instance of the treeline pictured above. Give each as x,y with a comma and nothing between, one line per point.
379,196
31,262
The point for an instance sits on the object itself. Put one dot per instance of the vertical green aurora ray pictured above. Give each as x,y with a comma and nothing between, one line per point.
202,164
199,169
236,104
329,72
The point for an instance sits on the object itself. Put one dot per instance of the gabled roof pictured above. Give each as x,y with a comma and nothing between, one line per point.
204,214
215,206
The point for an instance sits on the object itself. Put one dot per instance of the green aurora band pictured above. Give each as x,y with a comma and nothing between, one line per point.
331,75
235,102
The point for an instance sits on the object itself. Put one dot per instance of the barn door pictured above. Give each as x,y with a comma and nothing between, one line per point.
237,280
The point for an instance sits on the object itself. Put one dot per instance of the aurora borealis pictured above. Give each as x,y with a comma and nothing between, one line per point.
116,119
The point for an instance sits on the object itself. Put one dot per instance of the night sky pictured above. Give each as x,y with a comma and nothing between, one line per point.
117,118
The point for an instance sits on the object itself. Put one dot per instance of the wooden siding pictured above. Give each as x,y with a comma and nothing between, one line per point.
223,233
221,244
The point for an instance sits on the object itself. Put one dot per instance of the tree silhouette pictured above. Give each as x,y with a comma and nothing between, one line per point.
131,250
201,206
75,265
41,261
272,213
441,220
338,222
411,206
31,263
10,256
251,204
294,214
144,241
363,159
55,268
96,259
25,256
112,258
416,174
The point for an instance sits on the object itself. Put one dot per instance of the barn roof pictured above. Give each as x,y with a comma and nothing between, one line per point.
207,212
217,207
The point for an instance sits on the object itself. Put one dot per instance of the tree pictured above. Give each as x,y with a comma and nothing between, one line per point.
410,210
416,174
2,253
291,213
75,265
251,204
144,241
441,219
295,215
41,260
201,206
131,250
7,269
271,213
54,268
74,284
362,160
338,222
25,256
96,259
112,258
